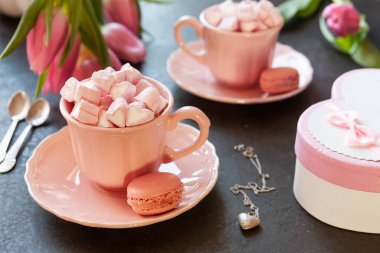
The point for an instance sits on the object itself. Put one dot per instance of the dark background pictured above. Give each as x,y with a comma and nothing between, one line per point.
212,225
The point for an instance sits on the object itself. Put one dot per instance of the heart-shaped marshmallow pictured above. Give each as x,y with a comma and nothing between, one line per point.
116,112
124,89
103,120
132,75
138,114
214,16
103,80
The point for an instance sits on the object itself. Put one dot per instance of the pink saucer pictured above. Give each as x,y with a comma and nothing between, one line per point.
56,184
197,79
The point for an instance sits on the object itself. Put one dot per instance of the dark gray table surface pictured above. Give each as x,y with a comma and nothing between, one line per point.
212,225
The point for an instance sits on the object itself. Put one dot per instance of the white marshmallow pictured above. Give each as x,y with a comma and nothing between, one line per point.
132,75
124,89
116,112
109,70
105,102
246,11
103,80
248,26
88,91
228,8
103,120
213,16
142,85
152,99
119,76
85,112
229,24
68,90
263,8
138,114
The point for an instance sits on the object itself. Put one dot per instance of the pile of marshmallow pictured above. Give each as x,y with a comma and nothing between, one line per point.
112,98
246,16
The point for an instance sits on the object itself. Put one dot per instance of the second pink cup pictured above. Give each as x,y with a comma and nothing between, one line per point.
235,59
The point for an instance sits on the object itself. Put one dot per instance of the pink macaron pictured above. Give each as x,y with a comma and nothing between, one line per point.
154,193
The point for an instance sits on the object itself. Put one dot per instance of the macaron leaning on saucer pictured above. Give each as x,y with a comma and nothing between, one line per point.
154,193
279,80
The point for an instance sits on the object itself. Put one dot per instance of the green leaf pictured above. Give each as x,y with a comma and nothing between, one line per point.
41,82
144,31
310,9
26,24
48,20
292,9
75,12
98,8
341,1
327,34
367,55
93,39
346,43
141,29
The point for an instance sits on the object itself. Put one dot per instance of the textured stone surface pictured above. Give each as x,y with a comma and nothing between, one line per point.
212,226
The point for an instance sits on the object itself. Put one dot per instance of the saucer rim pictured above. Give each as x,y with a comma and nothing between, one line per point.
234,100
147,220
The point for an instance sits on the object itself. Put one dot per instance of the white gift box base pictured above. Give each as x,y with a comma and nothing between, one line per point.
335,205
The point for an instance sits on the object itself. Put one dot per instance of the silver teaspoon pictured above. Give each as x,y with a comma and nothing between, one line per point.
37,115
18,107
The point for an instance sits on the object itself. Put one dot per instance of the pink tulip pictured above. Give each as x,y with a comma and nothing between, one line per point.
58,75
40,55
341,19
88,63
124,43
125,12
115,62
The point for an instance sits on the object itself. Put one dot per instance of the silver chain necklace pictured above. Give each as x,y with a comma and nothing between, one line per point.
251,219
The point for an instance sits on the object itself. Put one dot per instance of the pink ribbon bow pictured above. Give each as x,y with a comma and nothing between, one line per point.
357,135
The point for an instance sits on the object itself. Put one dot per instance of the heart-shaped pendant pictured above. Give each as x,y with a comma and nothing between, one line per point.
248,220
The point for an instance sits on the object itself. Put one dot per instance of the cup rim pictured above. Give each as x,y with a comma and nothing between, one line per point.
159,118
237,34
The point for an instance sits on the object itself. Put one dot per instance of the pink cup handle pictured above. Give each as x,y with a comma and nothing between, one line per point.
189,21
192,113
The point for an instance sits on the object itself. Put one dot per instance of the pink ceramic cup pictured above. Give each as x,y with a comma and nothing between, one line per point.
236,59
112,157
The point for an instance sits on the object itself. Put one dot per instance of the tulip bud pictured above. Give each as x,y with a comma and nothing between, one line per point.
124,43
341,19
40,55
58,75
125,12
88,63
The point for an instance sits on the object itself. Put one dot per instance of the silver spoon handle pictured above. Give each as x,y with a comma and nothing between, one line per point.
10,158
7,139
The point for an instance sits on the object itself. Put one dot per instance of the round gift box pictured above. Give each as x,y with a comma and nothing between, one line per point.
339,190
